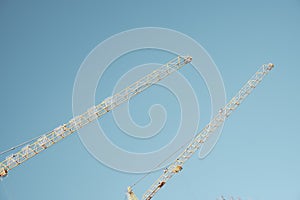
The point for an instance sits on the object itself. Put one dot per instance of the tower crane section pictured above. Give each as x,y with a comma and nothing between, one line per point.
201,137
54,136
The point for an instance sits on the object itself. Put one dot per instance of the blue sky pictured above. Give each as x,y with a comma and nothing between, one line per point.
42,45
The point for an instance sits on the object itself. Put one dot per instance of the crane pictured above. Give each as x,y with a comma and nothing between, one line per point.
202,136
45,141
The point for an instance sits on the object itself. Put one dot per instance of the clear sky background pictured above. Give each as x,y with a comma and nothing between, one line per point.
42,45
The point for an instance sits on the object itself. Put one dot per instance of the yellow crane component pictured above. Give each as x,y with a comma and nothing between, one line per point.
52,137
201,137
130,194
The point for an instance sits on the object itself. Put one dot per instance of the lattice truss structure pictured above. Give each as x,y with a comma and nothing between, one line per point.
214,124
47,140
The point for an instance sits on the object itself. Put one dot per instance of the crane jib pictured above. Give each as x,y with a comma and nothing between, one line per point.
201,137
54,136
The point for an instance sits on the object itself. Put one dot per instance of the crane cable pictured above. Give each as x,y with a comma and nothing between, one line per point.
135,183
18,146
159,164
